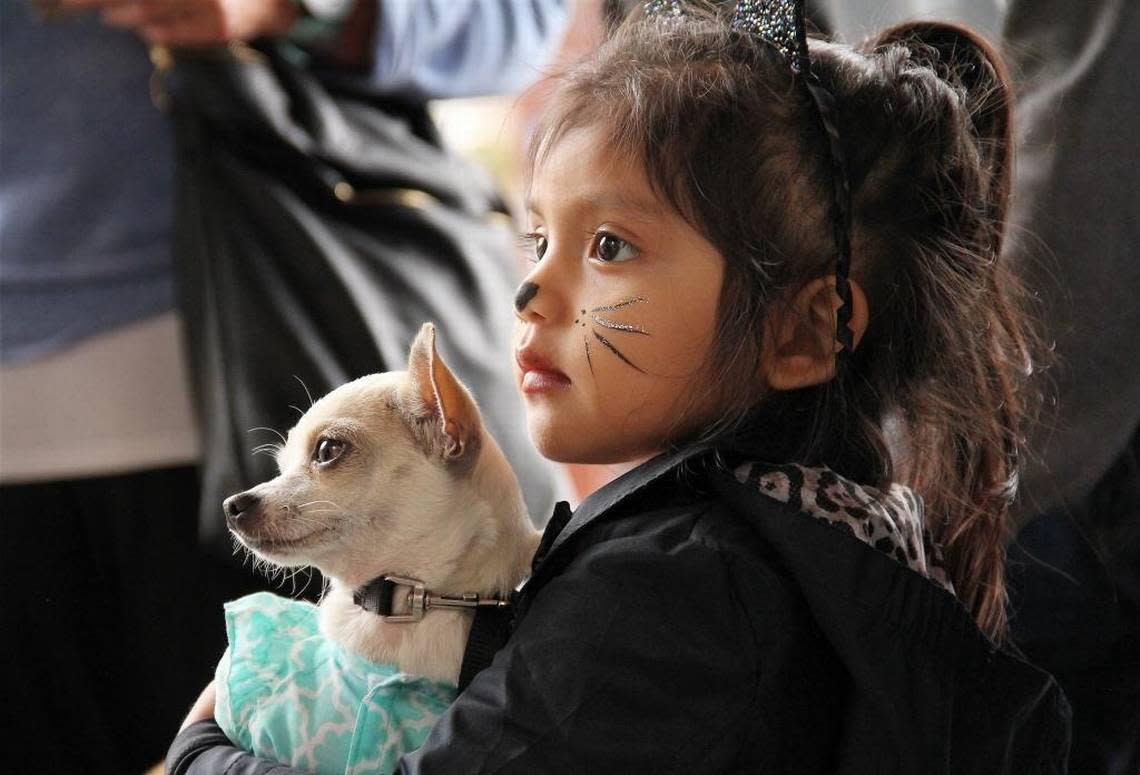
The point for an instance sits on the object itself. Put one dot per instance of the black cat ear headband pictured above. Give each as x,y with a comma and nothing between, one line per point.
781,24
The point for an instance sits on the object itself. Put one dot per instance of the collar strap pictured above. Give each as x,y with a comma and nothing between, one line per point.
378,597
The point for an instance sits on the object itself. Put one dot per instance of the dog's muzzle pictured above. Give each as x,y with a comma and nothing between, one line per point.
238,508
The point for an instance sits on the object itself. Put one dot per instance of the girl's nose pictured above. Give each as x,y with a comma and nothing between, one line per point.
540,296
526,293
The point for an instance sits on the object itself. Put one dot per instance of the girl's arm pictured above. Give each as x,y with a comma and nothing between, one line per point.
203,707
626,662
631,659
202,747
462,48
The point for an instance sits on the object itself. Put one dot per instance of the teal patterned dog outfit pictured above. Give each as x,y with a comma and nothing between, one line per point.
286,692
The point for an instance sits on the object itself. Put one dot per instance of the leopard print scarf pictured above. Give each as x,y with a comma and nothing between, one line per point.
891,522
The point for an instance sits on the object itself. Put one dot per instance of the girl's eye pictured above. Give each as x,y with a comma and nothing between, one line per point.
328,450
609,248
536,243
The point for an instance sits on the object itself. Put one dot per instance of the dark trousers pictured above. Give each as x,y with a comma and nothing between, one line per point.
112,619
1074,578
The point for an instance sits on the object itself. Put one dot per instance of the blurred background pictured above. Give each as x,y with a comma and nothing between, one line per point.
113,540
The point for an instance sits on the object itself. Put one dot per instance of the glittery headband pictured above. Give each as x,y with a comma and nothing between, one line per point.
781,24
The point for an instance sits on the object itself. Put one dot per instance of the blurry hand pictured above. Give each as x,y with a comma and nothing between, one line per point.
203,707
193,22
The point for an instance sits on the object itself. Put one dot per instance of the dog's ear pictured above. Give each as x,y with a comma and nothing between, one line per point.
444,397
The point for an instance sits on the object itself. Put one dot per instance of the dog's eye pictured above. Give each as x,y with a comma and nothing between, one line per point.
328,450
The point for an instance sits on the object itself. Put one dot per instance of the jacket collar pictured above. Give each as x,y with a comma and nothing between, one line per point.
629,483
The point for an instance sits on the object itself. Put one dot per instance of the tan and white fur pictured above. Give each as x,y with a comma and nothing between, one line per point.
394,474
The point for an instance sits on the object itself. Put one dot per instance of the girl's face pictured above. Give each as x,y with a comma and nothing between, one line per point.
617,316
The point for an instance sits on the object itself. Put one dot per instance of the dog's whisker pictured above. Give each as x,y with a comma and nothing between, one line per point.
320,521
307,512
271,430
313,503
308,569
297,409
291,574
273,449
305,517
324,591
306,387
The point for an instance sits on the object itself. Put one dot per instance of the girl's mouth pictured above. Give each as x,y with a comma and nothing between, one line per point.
544,381
538,373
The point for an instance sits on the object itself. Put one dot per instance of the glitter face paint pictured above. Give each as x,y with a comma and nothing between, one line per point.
628,328
611,354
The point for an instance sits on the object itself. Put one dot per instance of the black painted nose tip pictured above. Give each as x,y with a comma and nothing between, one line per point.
238,505
526,292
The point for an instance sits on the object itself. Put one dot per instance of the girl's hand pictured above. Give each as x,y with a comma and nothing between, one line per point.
203,708
193,22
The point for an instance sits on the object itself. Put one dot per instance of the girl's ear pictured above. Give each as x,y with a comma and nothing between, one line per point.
799,334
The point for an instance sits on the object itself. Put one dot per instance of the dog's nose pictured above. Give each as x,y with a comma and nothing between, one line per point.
236,506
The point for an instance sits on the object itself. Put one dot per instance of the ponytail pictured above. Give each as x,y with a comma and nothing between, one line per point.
970,65
954,346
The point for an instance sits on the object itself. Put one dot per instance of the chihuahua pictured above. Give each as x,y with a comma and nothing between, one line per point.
393,476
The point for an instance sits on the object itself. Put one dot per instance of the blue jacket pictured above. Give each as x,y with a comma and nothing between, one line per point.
683,620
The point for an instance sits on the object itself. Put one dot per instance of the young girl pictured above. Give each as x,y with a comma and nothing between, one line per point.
806,573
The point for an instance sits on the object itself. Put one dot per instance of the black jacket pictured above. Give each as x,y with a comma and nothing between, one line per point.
680,621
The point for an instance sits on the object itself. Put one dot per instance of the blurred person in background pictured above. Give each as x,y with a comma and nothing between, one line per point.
117,607
1074,570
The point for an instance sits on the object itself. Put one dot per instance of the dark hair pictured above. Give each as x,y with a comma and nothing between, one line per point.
936,394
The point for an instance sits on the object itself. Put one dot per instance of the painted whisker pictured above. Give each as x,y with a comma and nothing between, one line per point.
610,346
619,305
628,328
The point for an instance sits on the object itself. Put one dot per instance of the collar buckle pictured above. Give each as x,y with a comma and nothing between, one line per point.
418,598
378,596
